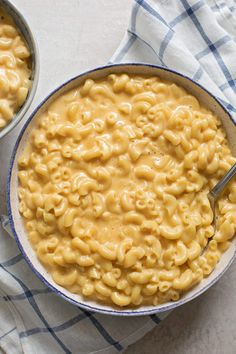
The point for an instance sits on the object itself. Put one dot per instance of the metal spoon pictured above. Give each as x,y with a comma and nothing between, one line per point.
216,191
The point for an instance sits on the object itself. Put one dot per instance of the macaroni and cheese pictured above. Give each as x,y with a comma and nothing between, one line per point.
113,189
14,69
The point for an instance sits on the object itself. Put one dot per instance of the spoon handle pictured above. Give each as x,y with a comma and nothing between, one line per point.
215,192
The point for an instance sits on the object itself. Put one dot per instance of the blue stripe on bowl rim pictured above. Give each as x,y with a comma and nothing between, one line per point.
131,312
24,28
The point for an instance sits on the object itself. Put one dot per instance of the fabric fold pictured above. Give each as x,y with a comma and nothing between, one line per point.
196,38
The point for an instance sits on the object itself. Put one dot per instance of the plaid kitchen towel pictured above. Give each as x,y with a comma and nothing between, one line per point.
196,38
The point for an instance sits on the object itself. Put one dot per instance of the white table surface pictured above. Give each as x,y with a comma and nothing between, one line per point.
76,35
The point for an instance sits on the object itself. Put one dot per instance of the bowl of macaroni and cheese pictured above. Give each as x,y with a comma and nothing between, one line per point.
108,189
18,67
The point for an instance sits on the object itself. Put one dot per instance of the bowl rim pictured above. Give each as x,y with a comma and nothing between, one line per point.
111,311
9,7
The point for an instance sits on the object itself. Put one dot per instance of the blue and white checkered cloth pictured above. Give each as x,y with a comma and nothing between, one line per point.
196,38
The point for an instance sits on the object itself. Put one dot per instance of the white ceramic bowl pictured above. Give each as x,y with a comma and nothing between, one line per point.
24,29
16,221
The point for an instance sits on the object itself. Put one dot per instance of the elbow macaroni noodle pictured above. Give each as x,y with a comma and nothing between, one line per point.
14,69
113,190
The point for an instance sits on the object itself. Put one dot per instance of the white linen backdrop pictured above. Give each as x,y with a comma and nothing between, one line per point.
196,38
